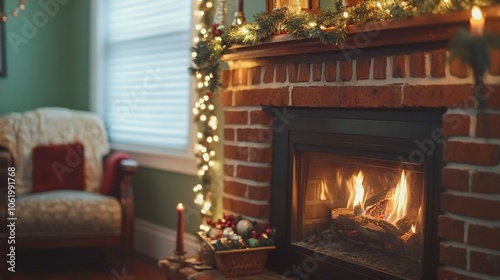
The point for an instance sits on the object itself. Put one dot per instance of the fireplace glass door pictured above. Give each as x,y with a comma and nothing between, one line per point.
363,210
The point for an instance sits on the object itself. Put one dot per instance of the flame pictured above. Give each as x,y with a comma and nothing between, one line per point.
399,200
357,191
413,228
476,13
324,191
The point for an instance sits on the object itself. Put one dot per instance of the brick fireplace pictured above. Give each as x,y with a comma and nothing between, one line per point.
401,66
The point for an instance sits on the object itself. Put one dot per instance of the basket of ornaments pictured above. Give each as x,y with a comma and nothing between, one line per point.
239,248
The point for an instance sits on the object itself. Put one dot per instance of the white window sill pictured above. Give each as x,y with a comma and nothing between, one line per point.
154,158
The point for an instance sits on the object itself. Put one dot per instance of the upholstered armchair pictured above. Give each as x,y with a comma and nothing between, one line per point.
64,188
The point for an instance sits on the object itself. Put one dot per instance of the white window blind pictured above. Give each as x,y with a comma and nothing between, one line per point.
146,81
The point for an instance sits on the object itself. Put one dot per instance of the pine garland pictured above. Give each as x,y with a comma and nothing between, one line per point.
329,26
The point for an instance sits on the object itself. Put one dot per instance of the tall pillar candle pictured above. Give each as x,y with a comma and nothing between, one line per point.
179,248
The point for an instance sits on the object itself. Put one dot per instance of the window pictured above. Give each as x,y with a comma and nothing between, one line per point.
141,55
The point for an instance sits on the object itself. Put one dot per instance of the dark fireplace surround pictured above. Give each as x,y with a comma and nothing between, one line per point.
401,78
408,137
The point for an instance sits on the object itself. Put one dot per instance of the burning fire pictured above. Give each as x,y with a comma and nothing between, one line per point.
398,198
356,191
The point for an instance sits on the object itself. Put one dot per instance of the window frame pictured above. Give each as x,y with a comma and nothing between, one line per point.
172,160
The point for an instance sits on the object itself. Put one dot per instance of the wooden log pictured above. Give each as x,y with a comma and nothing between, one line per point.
405,223
342,212
411,244
375,202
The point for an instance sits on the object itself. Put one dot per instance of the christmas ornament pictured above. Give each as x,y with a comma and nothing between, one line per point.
214,233
228,232
252,242
243,227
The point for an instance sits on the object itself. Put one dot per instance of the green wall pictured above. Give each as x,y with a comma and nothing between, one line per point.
47,57
51,68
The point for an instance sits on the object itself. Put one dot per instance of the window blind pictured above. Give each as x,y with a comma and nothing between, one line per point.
146,84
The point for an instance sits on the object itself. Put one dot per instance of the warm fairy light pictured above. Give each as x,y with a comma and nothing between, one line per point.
209,5
194,54
197,188
346,14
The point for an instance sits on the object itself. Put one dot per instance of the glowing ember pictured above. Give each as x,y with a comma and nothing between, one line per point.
399,200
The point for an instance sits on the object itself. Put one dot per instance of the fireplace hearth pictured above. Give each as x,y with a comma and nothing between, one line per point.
360,192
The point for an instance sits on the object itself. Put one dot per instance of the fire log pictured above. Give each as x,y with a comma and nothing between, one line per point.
405,223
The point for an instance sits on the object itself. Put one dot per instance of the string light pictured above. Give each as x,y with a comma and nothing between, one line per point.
204,114
20,7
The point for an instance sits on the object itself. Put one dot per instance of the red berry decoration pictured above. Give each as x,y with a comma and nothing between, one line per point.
269,231
254,234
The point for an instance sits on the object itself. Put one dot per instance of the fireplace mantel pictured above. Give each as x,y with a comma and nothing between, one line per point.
418,30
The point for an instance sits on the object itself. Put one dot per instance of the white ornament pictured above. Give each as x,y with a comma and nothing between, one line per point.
243,227
228,232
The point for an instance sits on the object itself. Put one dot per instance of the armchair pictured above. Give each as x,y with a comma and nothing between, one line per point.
67,193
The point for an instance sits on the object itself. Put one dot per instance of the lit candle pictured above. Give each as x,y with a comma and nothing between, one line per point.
179,249
476,22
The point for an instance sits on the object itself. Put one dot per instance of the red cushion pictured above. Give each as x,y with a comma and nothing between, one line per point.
58,167
111,180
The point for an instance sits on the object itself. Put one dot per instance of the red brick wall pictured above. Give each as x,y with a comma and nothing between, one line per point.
470,201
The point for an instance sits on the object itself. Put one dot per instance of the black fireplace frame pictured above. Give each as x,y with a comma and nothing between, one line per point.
390,132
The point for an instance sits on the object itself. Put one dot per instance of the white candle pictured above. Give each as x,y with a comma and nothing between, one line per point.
476,22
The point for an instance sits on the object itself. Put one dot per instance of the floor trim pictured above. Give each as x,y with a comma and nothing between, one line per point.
158,242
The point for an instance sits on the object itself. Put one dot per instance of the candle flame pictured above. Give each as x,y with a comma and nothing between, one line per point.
476,13
180,206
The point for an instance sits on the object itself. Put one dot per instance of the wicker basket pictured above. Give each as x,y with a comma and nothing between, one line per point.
240,262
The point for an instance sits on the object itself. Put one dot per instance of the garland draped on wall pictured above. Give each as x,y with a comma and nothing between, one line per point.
329,26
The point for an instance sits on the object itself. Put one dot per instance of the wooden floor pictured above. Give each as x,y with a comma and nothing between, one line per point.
81,264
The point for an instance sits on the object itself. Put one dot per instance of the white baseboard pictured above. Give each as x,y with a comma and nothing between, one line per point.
158,242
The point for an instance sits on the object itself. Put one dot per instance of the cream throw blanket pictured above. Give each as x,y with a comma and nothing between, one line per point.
21,132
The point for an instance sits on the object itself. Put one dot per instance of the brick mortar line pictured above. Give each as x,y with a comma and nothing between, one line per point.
253,201
473,220
472,111
248,144
473,139
246,163
246,126
490,197
246,181
470,247
242,108
469,273
456,165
